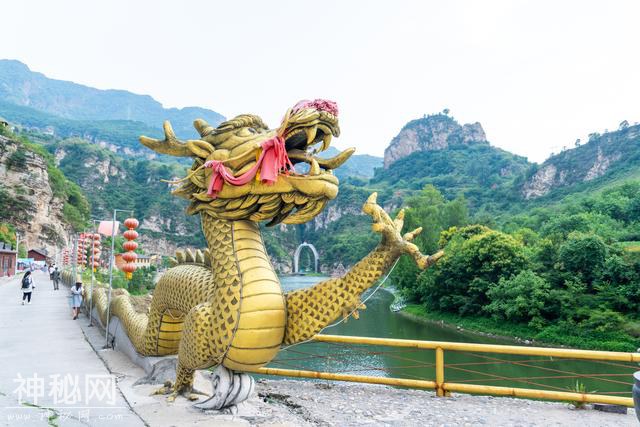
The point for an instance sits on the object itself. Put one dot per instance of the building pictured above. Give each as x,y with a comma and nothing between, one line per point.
8,259
143,261
39,255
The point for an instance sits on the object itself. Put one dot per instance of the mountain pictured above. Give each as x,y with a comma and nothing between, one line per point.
112,182
21,86
358,165
430,133
119,136
606,158
36,198
458,160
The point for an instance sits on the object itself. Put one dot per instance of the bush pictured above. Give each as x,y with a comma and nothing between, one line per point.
460,280
583,256
17,160
521,298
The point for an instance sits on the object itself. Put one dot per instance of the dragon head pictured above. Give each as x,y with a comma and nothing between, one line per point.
236,147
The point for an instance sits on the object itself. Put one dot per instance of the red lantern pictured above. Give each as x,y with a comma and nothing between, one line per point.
131,223
130,234
128,269
130,257
130,246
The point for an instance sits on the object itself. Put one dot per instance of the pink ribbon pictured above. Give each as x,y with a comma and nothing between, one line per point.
272,160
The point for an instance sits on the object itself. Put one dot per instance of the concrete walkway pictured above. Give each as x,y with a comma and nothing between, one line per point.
49,374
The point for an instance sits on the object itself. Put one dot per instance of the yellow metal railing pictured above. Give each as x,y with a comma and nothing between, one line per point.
443,388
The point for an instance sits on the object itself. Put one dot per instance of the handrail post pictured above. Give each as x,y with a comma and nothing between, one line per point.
439,372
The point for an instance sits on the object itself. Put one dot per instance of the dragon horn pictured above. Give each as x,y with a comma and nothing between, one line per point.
203,127
170,145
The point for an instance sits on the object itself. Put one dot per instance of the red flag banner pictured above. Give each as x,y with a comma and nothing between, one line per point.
106,228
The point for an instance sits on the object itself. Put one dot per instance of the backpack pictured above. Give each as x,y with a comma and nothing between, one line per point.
25,282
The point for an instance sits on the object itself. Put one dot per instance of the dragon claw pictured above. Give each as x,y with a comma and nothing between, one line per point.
391,229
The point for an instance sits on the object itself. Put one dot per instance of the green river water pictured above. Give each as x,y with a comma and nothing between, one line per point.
474,368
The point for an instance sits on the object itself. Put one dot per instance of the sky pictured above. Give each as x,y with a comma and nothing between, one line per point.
536,74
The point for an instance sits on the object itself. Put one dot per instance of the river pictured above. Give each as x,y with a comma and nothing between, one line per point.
475,368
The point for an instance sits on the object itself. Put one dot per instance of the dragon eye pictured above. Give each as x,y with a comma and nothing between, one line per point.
252,130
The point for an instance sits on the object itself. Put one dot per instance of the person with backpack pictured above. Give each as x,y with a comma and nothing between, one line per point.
27,287
76,294
56,279
51,270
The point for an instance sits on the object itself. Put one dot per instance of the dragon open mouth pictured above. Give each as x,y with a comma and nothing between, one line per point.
311,133
241,170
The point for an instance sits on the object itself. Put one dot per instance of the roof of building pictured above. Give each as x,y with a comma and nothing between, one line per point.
6,248
42,252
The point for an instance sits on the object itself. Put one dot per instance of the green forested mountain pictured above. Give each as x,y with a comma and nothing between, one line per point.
603,160
120,134
36,198
110,181
23,87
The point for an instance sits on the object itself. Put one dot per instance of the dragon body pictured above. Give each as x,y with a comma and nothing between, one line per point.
224,306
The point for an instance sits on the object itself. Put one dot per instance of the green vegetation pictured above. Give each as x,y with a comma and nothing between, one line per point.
142,281
75,208
557,274
8,235
112,182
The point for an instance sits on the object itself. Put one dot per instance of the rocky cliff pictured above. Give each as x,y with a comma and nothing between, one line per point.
614,154
27,200
112,182
435,132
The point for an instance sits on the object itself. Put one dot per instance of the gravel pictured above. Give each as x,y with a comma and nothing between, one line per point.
346,404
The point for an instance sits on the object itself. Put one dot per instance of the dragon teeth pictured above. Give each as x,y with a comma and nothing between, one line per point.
326,141
315,168
311,134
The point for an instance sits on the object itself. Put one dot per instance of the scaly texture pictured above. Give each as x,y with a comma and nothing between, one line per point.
225,306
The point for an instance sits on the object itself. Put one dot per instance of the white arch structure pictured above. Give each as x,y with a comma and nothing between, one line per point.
296,256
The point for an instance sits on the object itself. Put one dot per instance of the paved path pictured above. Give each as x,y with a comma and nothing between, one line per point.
44,353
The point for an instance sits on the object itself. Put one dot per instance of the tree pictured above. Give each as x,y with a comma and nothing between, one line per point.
460,280
623,125
521,298
429,210
583,256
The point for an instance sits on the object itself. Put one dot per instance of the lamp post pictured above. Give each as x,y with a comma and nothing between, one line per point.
111,262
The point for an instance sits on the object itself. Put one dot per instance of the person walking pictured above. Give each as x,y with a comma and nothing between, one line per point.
51,270
27,287
76,294
56,279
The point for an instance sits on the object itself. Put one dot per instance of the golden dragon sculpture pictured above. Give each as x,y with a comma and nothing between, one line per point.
224,306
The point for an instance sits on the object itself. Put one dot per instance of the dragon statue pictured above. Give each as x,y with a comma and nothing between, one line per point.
224,307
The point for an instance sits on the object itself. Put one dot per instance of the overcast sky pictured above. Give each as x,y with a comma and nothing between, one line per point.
536,74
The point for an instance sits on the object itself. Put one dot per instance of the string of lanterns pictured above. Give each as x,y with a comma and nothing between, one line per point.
95,239
82,250
130,246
